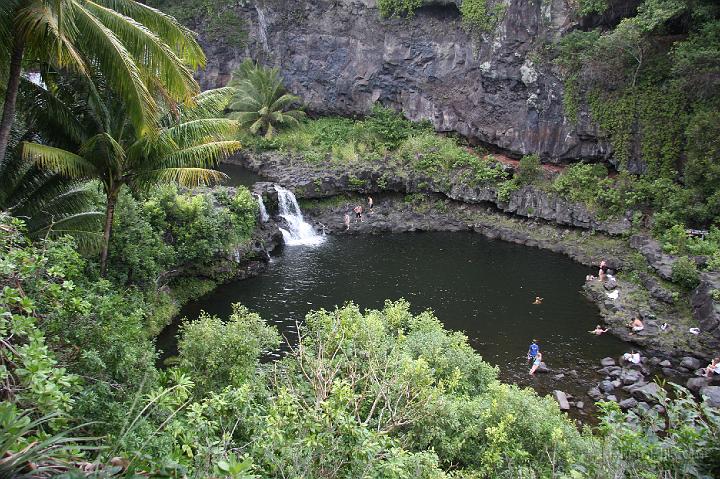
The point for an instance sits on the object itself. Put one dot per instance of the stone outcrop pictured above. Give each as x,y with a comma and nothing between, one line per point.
497,88
529,202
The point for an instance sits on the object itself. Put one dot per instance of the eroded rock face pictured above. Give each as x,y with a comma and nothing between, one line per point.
496,88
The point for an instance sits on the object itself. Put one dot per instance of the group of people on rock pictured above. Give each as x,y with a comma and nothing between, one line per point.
358,210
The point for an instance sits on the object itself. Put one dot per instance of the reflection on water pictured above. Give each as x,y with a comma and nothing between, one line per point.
482,287
238,175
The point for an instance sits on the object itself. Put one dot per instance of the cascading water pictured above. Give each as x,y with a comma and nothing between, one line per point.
299,232
264,217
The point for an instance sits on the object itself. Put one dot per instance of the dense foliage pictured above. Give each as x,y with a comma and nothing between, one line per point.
382,393
652,84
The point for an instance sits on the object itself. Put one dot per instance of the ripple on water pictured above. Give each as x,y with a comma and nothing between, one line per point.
482,287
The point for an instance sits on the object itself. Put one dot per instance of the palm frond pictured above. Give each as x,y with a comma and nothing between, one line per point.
58,160
149,51
48,114
198,156
189,177
50,37
208,104
179,38
192,133
121,71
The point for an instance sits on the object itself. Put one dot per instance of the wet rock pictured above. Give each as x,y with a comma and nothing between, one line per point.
562,400
607,362
696,384
690,363
628,403
610,284
646,393
606,386
705,310
711,394
542,368
595,393
631,377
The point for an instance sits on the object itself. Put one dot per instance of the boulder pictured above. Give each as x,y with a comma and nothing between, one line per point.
631,376
690,363
711,395
606,386
696,384
561,399
665,364
611,397
595,393
628,403
542,368
579,404
610,284
646,392
607,362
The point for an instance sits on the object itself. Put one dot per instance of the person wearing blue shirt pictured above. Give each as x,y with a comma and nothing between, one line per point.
533,350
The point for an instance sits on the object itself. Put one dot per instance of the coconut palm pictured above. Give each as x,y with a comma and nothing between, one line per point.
110,150
50,204
140,51
261,102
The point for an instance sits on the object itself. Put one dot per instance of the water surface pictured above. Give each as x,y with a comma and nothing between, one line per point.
482,287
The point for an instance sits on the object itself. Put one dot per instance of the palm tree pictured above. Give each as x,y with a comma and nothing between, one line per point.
262,103
139,50
111,150
51,204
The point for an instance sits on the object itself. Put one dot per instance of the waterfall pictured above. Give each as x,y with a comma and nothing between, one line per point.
299,232
264,217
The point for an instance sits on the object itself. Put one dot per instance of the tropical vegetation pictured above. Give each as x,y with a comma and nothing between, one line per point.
260,102
109,145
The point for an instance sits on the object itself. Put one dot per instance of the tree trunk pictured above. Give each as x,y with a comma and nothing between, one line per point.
109,213
11,94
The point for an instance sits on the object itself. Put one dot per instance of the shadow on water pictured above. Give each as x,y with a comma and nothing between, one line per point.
482,287
238,175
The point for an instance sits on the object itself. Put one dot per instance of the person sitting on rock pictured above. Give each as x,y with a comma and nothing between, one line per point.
602,271
538,300
632,357
598,330
536,363
636,325
713,368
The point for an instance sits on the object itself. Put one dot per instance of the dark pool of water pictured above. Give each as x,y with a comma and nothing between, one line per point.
482,287
238,175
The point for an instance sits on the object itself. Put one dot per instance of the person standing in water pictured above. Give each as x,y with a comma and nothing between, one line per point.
536,363
602,272
346,219
538,300
533,350
358,214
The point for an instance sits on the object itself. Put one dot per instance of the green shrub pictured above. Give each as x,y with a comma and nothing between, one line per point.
217,353
398,8
685,273
529,169
477,15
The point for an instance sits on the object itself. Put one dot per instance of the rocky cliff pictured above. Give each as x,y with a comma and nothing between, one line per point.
497,88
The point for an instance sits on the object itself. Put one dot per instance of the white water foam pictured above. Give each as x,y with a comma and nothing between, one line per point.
298,232
264,217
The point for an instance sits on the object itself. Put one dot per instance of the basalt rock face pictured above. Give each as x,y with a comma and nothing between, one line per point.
494,88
